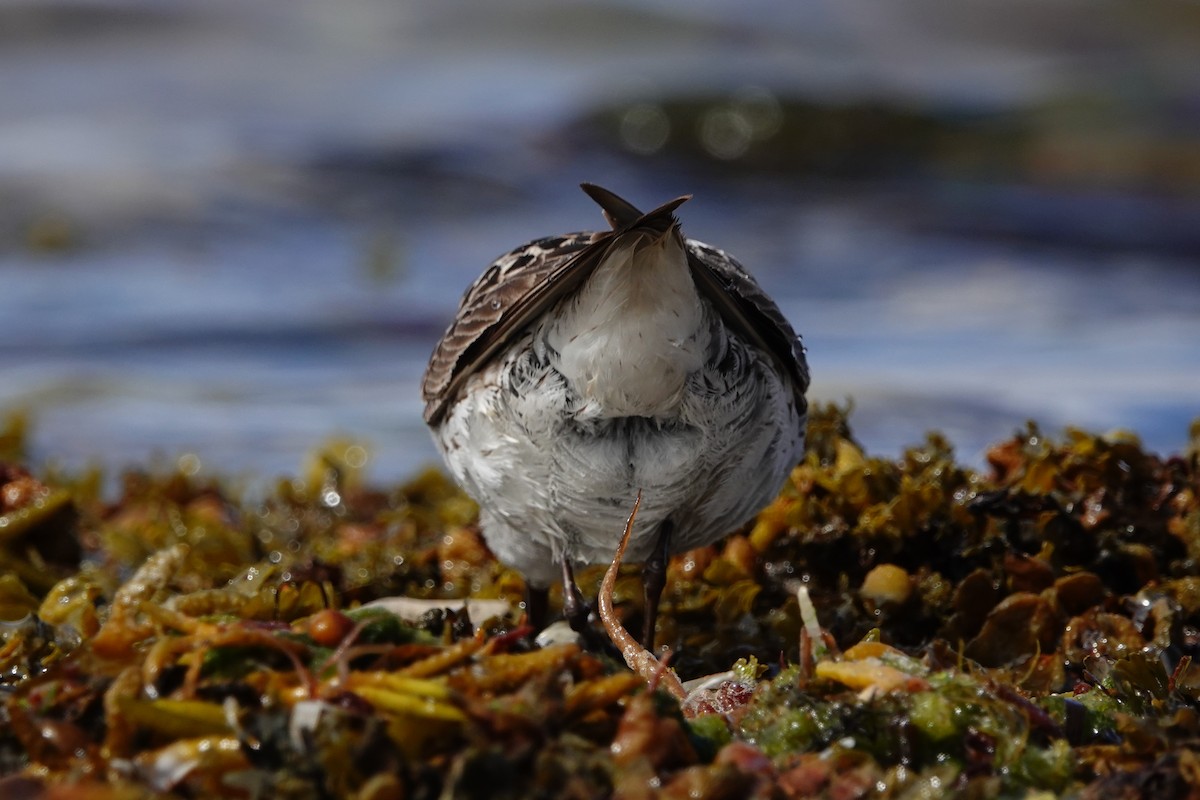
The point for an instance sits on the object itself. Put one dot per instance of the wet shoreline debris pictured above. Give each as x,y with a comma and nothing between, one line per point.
1027,630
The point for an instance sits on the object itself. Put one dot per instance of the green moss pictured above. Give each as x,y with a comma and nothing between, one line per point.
934,715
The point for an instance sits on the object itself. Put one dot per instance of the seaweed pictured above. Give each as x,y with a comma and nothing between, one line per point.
886,627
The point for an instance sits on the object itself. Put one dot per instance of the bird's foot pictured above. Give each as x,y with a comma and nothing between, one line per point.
640,660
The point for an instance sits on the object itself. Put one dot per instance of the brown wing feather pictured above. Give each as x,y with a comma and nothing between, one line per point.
617,210
496,304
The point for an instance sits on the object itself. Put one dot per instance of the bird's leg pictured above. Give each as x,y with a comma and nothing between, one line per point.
575,610
640,660
654,578
537,606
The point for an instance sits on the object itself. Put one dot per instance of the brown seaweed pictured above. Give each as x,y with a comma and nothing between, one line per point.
1028,628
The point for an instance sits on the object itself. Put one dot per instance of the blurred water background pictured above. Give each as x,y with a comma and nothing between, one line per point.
230,230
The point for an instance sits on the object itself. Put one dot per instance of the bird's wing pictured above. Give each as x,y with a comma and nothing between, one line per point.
747,308
507,296
522,285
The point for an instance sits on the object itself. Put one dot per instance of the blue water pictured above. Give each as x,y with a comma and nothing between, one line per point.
272,209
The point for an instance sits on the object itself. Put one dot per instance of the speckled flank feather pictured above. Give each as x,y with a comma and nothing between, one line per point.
583,368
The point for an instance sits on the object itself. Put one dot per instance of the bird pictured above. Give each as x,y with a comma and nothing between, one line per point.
586,368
